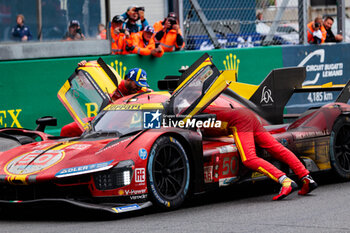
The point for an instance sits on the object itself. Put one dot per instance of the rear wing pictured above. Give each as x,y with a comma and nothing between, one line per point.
275,90
344,95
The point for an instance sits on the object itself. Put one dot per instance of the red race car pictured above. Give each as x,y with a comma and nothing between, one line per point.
148,148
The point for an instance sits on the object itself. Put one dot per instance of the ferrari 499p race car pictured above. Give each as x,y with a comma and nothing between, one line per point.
148,148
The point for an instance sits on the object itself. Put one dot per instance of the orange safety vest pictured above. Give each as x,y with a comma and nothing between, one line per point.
158,26
310,30
141,48
103,34
119,42
168,41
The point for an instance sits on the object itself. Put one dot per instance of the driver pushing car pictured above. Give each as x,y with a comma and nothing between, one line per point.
248,130
135,81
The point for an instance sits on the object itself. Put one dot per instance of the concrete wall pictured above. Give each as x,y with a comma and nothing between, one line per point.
30,50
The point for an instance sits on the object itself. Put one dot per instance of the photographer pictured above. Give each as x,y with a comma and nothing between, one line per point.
121,40
74,31
169,34
316,33
144,43
132,15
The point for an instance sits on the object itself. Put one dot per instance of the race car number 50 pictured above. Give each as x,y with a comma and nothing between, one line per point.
229,165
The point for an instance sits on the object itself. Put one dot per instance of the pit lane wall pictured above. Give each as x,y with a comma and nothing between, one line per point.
29,87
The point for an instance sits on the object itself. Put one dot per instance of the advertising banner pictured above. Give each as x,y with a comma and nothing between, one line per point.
324,64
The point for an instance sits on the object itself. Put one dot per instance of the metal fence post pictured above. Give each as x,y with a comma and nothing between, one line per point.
39,19
302,8
341,17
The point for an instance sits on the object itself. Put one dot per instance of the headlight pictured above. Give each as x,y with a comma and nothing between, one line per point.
116,177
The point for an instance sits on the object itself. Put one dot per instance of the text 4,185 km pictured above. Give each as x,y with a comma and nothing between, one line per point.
320,96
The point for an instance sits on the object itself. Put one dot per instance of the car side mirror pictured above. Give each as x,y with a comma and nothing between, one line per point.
42,122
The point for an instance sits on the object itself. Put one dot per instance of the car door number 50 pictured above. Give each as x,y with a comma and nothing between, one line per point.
229,165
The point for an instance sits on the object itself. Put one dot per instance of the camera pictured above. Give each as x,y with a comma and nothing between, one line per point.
78,30
172,21
122,30
157,44
140,8
317,25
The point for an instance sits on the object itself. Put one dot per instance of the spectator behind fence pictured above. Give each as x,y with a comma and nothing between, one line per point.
132,15
102,32
20,32
330,37
144,43
169,34
259,16
316,33
121,41
74,31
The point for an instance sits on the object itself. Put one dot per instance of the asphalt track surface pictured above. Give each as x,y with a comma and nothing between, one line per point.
246,208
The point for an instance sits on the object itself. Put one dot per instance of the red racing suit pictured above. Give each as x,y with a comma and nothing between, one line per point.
73,130
247,130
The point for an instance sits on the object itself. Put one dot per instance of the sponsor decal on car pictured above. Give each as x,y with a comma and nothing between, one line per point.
123,107
257,174
208,174
138,197
126,208
227,181
72,171
302,135
78,146
227,149
266,96
143,153
34,161
140,175
43,146
135,191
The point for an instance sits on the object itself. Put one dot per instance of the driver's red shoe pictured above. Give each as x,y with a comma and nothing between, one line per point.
288,186
308,185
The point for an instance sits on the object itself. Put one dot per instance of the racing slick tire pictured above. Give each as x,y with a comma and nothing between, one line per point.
168,172
340,147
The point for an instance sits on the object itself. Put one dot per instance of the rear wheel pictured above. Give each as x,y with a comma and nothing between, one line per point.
168,173
340,147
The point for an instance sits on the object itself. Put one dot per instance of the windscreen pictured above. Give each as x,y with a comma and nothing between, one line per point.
123,122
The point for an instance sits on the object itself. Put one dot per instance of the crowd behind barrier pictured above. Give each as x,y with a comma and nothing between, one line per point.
131,33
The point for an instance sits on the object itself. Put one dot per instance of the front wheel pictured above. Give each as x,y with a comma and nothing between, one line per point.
168,173
340,147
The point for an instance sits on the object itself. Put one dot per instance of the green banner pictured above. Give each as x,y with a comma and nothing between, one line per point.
29,87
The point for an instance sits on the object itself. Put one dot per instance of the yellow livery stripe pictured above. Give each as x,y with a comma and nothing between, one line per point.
14,179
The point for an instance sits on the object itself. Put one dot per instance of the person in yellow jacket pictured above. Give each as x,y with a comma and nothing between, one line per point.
144,43
169,34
